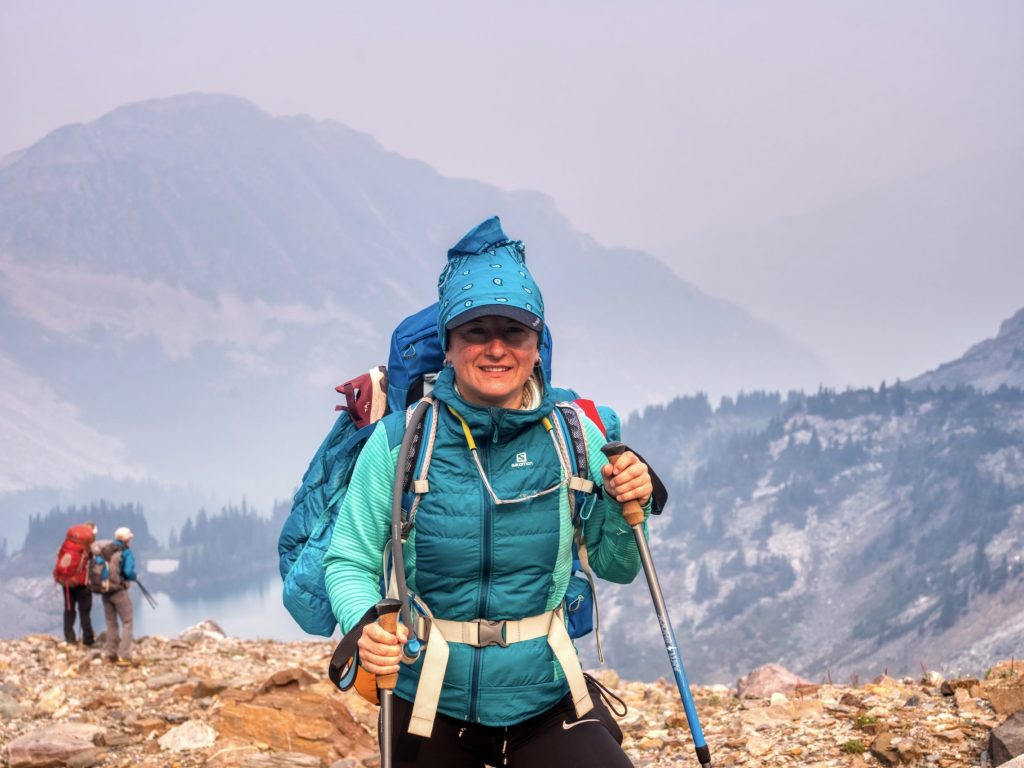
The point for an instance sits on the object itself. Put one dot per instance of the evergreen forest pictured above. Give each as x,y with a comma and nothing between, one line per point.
215,552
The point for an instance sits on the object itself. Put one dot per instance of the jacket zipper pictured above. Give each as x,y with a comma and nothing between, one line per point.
485,583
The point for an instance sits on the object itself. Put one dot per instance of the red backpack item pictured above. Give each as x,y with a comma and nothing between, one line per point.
72,569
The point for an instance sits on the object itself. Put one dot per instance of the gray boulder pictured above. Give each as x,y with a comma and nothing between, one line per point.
1007,740
56,745
766,680
207,629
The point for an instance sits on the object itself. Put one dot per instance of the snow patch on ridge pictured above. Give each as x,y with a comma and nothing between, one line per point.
71,301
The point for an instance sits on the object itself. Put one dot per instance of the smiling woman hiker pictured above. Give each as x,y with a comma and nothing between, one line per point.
490,554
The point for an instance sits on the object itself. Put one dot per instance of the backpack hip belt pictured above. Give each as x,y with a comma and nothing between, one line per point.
481,633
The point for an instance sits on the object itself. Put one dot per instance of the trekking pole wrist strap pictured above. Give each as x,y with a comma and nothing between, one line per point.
347,651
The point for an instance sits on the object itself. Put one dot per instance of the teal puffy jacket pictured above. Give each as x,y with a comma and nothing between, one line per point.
468,558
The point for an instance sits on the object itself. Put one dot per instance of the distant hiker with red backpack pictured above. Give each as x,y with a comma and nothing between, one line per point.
72,573
112,570
488,556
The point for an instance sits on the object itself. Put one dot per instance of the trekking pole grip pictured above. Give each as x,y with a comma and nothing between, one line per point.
632,510
387,617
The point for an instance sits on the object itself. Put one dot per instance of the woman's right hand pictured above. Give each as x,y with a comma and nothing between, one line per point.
379,650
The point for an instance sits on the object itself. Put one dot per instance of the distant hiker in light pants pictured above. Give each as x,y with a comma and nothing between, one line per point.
117,603
490,552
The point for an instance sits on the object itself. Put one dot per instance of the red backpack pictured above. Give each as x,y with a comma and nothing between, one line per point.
72,569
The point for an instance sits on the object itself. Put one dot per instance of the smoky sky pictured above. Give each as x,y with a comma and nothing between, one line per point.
788,156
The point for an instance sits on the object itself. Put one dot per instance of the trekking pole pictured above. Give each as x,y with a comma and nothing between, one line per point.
145,593
634,514
387,612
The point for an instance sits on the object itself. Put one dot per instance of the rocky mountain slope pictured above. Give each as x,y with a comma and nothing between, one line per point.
840,533
988,365
203,699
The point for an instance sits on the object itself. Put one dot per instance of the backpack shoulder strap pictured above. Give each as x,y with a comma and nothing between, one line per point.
575,437
580,486
417,465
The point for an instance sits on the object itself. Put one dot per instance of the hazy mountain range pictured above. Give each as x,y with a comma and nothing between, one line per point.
184,281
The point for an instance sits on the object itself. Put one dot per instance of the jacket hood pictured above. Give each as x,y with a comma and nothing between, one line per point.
486,274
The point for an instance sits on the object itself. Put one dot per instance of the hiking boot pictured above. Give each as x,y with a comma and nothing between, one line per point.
111,659
366,396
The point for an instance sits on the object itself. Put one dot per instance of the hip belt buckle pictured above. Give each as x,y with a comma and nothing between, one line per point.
490,633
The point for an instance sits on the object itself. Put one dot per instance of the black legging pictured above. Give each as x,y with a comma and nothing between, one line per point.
82,598
548,740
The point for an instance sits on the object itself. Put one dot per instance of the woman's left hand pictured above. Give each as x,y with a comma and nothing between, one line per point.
626,478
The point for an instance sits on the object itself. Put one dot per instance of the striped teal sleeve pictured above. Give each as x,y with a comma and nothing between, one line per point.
611,544
352,563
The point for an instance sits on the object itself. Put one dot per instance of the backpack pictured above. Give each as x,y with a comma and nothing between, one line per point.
72,568
413,363
105,570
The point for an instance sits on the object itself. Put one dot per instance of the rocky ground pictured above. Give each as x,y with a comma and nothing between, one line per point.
207,700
